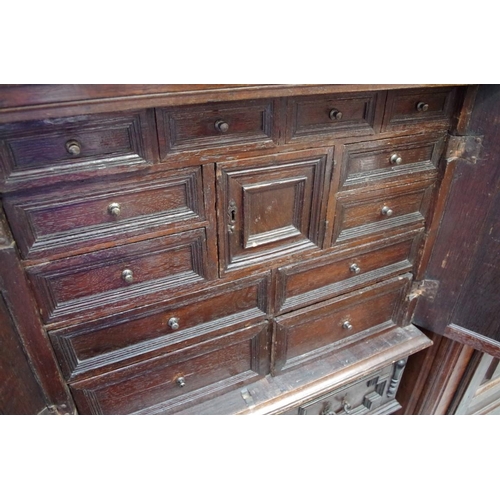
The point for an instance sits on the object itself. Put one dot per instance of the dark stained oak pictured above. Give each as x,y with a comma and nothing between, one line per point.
227,248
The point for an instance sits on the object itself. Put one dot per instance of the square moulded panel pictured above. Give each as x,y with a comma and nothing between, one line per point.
272,206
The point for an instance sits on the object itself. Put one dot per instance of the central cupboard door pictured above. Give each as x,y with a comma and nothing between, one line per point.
272,206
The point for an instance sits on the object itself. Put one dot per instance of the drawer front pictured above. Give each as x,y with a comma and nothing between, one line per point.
272,206
334,115
381,211
40,149
319,279
432,108
47,223
173,382
112,343
103,282
219,125
318,330
373,395
399,159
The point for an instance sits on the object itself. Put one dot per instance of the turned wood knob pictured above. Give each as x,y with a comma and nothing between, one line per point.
354,268
73,148
127,276
422,106
386,211
114,209
396,159
335,114
221,126
173,323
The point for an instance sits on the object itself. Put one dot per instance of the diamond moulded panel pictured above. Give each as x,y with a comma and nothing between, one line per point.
272,207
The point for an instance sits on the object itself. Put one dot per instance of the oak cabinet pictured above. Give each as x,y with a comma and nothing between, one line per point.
248,253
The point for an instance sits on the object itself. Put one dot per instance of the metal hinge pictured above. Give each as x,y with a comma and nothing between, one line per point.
465,147
424,288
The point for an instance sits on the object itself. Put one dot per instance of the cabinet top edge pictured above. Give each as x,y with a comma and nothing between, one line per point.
32,101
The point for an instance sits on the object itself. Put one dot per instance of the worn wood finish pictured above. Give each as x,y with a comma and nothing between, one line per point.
88,350
31,153
240,228
464,257
20,392
50,223
210,369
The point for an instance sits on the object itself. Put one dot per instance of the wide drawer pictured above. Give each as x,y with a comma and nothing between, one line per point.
303,284
85,350
432,108
101,283
373,395
333,115
51,222
381,211
38,150
172,382
192,128
318,330
399,159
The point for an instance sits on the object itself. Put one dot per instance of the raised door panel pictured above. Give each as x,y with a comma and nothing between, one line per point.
272,207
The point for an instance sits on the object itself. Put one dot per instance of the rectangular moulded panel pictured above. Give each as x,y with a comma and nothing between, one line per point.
172,382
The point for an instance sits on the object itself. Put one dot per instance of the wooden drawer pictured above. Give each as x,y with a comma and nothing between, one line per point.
378,212
219,125
373,395
333,115
172,382
51,221
393,159
101,283
272,206
303,284
34,152
429,108
85,350
318,330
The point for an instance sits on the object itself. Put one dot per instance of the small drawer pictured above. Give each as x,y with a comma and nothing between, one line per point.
48,222
103,282
319,279
381,211
373,395
36,151
381,161
192,128
86,350
319,330
171,383
333,115
432,108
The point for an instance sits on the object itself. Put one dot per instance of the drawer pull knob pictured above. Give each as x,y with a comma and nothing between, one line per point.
335,114
73,148
173,323
114,209
395,159
127,276
181,381
386,211
422,106
346,325
221,126
354,268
